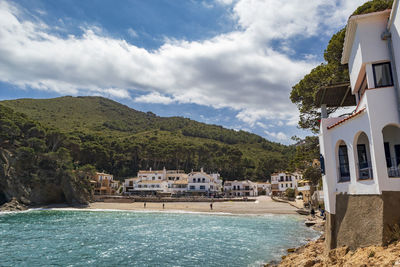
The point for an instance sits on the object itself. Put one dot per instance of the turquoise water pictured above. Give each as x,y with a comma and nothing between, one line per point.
118,238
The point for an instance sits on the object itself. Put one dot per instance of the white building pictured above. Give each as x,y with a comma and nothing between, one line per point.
156,182
285,180
264,187
361,152
237,188
203,183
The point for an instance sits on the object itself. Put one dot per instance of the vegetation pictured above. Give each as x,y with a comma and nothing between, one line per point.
117,139
35,159
329,72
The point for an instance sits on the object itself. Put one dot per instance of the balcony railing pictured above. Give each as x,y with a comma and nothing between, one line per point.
393,167
365,171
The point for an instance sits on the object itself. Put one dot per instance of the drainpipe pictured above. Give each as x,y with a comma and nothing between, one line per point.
387,36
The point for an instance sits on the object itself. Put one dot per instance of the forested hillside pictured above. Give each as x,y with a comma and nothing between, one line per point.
35,164
120,140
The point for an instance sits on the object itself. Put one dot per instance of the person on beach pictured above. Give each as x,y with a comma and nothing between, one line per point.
211,204
144,205
163,205
312,212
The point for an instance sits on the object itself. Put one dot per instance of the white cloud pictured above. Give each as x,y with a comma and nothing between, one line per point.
154,97
277,135
132,33
238,70
224,2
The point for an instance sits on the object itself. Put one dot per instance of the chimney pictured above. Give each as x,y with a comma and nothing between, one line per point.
201,170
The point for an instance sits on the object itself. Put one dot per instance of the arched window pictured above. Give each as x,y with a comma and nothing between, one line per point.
391,141
343,162
364,166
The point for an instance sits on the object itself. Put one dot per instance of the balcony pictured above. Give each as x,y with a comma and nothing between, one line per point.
393,167
365,171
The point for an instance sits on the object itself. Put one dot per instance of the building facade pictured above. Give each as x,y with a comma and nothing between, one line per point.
360,152
284,181
204,184
105,184
243,188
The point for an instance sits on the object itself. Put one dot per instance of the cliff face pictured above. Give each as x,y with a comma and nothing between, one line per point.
36,166
58,186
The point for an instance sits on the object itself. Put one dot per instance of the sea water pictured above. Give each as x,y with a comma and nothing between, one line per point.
122,238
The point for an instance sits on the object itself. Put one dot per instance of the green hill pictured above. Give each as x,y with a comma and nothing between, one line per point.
121,140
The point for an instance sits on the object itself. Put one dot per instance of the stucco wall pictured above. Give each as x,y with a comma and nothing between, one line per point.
362,220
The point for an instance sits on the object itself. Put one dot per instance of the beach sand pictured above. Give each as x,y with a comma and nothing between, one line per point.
263,205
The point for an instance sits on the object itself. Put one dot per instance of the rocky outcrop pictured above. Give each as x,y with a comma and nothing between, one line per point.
316,254
50,188
13,205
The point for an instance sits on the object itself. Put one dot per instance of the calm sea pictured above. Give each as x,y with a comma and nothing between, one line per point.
119,238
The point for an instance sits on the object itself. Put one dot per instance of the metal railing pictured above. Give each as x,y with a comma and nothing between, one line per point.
365,171
393,167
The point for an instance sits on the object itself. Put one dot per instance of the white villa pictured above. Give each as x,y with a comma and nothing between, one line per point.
240,188
360,152
283,181
203,183
174,182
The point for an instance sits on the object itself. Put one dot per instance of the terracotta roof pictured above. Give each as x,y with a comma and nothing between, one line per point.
346,118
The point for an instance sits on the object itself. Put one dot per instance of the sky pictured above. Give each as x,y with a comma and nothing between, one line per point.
226,62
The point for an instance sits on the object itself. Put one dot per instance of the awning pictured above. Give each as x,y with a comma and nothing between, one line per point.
336,95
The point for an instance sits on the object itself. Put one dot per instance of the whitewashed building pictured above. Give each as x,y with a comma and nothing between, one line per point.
245,188
360,152
264,188
284,180
203,183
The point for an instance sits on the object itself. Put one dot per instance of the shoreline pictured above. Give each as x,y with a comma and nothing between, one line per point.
262,205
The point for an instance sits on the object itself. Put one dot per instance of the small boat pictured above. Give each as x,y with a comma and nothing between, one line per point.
303,212
310,223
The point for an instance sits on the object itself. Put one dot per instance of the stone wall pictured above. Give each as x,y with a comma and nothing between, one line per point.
362,220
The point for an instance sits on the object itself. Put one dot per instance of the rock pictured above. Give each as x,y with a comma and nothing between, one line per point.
291,250
13,205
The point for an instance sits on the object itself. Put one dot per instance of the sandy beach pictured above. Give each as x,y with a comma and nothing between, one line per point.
263,205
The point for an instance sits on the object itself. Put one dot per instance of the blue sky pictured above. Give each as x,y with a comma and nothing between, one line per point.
225,62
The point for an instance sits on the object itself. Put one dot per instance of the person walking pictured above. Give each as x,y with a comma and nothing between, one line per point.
144,205
211,206
163,205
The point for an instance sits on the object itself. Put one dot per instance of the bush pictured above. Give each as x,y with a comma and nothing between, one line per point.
290,193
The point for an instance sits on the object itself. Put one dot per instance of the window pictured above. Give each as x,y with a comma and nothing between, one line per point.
192,187
153,178
362,156
194,180
286,185
290,185
387,155
397,151
382,74
202,187
198,180
203,180
344,169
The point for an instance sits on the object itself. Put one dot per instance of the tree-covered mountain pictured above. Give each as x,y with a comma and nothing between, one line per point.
120,140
